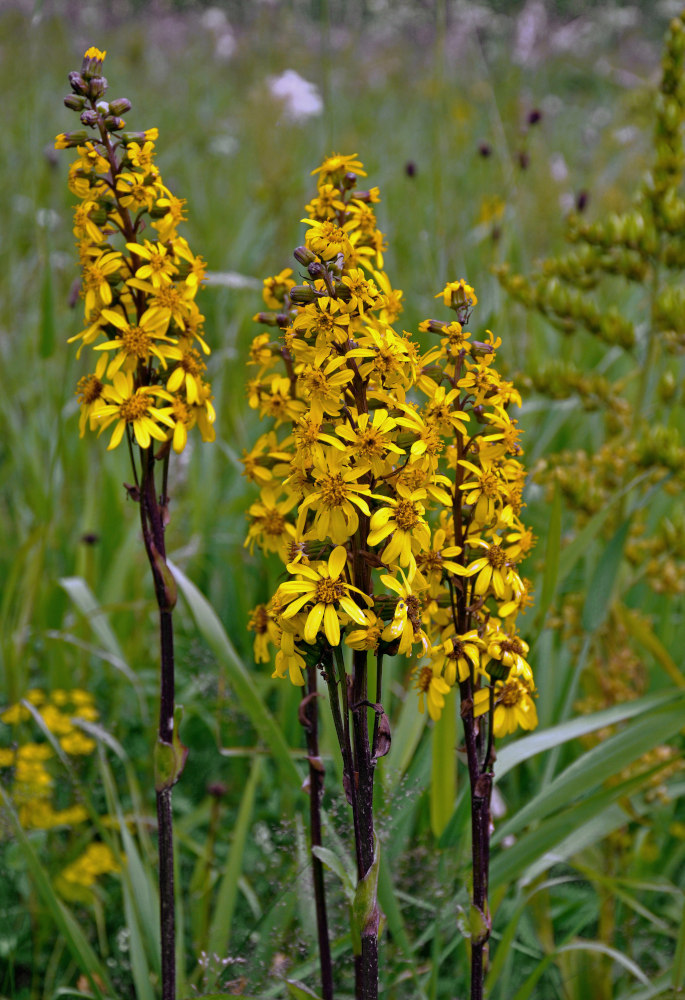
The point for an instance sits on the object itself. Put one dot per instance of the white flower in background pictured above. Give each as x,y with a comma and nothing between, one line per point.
300,98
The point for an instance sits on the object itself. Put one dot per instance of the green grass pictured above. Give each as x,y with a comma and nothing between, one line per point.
614,875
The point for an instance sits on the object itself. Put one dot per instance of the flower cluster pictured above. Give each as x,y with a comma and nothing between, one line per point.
139,291
390,481
26,766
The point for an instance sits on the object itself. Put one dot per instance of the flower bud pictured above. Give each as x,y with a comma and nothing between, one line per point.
316,269
349,180
92,62
121,106
114,124
97,87
303,255
66,140
303,295
498,671
89,117
78,84
75,102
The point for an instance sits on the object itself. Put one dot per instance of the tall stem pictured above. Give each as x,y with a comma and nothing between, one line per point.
152,523
316,778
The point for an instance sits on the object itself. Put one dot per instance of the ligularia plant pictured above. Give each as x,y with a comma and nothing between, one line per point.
391,490
139,279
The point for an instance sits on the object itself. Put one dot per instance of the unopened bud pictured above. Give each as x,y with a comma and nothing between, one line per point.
97,87
114,124
303,295
127,137
121,106
498,671
89,117
77,83
316,269
349,180
75,102
303,255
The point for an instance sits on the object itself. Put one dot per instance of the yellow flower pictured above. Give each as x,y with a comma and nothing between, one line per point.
458,295
269,525
514,706
330,595
433,688
457,657
369,441
276,288
137,341
403,520
160,267
335,499
327,240
133,407
337,165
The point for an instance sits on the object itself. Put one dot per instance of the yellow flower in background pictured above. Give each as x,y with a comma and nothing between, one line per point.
514,706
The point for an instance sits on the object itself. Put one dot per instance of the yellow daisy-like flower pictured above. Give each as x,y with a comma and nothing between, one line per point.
514,706
336,498
458,295
433,688
337,165
369,441
160,267
402,520
327,240
137,341
510,650
277,287
136,408
188,374
96,288
329,595
493,569
269,526
457,657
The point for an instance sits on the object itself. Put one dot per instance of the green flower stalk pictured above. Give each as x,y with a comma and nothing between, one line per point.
390,488
139,280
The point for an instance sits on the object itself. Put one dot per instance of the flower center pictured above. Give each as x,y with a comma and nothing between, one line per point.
333,491
329,591
136,341
424,679
273,522
496,556
406,515
511,694
89,389
134,408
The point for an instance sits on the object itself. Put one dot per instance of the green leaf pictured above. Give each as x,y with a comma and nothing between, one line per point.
83,598
443,786
552,555
299,991
222,917
603,761
601,585
242,682
604,949
545,739
567,833
365,913
170,758
642,631
335,864
679,960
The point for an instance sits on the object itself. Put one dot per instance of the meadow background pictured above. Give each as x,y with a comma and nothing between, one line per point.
436,99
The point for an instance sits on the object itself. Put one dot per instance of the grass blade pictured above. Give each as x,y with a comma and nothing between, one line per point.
251,701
